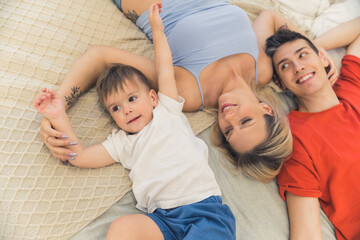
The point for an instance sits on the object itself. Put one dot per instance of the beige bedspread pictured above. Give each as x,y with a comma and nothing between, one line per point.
39,41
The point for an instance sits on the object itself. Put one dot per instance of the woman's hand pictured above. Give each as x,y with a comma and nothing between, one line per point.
55,141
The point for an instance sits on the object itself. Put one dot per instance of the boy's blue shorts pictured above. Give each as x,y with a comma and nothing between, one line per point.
207,219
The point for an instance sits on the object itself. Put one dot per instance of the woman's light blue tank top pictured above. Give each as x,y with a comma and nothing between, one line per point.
201,32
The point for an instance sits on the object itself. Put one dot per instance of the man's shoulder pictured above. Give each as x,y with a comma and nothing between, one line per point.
350,60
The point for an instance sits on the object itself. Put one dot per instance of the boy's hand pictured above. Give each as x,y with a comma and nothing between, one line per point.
49,104
154,17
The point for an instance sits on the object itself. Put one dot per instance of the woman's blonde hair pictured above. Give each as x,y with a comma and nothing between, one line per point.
264,161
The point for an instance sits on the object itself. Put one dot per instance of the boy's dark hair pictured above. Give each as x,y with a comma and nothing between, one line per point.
115,76
283,36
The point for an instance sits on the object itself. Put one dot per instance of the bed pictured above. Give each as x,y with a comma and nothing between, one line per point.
40,198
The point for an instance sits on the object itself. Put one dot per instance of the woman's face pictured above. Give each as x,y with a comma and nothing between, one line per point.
241,119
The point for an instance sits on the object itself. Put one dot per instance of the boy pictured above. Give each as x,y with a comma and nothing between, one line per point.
325,164
172,180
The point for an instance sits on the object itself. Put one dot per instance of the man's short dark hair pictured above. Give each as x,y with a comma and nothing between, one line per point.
283,36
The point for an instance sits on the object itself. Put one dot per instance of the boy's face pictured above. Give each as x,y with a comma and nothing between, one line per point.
132,107
300,69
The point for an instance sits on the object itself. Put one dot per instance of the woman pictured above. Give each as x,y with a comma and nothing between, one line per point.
218,57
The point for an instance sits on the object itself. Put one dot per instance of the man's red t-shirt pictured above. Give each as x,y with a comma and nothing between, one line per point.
325,163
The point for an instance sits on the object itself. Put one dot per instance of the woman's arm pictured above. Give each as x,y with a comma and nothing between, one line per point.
51,106
87,69
304,216
94,156
265,25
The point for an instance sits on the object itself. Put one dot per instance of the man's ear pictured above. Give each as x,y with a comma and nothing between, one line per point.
154,97
324,59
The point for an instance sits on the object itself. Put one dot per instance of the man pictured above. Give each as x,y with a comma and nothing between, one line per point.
325,164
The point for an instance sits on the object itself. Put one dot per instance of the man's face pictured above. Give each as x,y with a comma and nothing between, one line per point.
300,69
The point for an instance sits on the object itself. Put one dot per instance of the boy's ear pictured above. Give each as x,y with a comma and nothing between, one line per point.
154,97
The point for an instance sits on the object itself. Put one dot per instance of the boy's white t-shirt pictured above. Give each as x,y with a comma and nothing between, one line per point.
168,163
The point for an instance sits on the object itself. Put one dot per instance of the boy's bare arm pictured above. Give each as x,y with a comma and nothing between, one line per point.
51,106
93,156
163,59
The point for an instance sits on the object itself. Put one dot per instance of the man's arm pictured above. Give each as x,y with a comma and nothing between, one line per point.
163,59
346,34
341,36
354,47
304,216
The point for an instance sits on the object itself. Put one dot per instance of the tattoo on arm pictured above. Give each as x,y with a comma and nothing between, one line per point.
133,16
75,93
